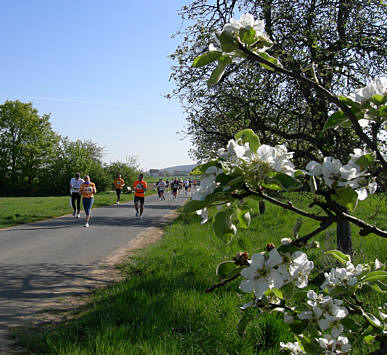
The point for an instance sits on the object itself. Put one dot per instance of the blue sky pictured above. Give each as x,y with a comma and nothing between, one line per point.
100,68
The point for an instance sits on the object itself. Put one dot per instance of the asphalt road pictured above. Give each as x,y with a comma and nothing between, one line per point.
45,262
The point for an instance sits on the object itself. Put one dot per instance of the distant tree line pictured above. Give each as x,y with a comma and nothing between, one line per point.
36,160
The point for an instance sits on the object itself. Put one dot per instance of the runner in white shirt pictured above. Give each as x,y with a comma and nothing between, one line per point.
161,186
75,184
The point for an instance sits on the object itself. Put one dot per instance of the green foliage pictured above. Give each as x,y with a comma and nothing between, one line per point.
27,144
161,308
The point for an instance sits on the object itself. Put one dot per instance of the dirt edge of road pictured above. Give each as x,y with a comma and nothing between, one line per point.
106,272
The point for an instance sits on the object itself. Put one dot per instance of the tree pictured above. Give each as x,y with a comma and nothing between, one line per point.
84,157
27,144
341,43
128,170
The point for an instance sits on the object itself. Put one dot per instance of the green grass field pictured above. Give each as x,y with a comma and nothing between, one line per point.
161,307
18,210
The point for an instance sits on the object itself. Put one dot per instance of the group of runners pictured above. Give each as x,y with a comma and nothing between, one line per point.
175,186
85,189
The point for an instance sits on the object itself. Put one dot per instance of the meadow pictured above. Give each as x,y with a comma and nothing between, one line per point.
161,306
19,210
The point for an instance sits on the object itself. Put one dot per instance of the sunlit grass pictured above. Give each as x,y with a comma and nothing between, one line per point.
162,306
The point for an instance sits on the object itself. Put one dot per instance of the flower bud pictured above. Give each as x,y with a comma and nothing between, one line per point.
270,246
241,258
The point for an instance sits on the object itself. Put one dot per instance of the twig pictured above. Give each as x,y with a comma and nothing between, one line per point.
325,93
220,284
324,225
366,228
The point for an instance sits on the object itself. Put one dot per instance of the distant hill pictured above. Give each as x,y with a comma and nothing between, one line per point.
179,167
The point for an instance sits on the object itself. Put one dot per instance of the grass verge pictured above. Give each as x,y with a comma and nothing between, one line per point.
161,307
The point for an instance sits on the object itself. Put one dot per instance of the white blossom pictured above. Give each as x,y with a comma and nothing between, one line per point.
300,268
246,22
263,273
332,345
375,87
203,213
294,348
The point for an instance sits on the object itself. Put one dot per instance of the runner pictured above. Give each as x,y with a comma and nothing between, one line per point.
139,192
166,185
161,188
186,186
119,183
75,184
88,190
174,187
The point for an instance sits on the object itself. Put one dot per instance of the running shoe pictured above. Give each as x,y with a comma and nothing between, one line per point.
86,225
78,215
74,213
118,202
137,214
140,218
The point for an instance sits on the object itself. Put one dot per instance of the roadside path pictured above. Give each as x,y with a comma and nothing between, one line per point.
46,267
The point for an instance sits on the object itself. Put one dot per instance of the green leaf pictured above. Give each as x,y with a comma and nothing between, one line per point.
287,248
288,291
337,291
369,339
270,59
349,102
248,135
310,346
271,186
222,226
240,214
378,286
201,169
375,275
297,326
335,120
349,323
378,99
365,161
338,255
346,197
234,184
218,71
228,42
206,58
194,205
382,111
286,182
243,323
278,293
375,322
223,178
224,268
247,36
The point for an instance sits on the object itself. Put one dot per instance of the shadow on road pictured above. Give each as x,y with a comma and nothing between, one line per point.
26,291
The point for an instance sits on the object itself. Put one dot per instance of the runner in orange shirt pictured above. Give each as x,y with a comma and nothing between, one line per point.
139,192
87,190
119,183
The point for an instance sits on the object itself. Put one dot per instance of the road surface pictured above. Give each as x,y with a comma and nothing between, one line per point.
43,265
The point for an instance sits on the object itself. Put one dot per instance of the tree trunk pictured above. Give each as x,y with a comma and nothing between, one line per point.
344,235
262,207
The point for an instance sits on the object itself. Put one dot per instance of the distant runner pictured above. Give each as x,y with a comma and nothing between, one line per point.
174,187
161,186
139,193
75,184
87,190
119,183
